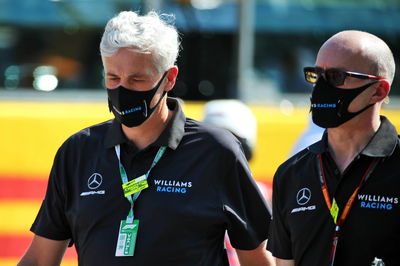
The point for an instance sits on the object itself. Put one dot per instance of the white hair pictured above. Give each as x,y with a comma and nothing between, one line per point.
150,33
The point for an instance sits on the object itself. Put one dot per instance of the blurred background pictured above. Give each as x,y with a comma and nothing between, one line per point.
51,78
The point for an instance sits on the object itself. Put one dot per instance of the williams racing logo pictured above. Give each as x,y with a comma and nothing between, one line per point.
377,202
303,196
323,105
172,186
125,112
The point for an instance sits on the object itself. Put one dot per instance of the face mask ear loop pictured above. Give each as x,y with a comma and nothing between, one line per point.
340,104
162,96
365,108
155,106
109,105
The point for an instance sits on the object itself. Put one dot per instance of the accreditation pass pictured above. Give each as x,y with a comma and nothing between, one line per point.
127,238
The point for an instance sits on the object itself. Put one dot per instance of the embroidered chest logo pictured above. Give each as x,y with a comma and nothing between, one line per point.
303,196
94,182
172,186
377,202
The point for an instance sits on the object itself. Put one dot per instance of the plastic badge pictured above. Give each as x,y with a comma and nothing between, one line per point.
135,185
127,238
334,211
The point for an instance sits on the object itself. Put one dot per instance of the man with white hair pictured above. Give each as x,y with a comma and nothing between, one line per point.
337,202
150,187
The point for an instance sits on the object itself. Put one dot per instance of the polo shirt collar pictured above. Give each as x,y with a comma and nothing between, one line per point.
320,146
170,137
382,143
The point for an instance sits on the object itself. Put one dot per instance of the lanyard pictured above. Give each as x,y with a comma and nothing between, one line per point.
334,208
124,177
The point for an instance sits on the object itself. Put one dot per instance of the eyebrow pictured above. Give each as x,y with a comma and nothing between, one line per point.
136,75
111,74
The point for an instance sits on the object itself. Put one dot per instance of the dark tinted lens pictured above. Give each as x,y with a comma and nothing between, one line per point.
335,77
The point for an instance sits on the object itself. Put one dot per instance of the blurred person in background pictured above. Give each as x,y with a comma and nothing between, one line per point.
236,117
150,187
337,202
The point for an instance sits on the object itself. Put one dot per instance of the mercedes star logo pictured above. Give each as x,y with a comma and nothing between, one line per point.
95,181
303,196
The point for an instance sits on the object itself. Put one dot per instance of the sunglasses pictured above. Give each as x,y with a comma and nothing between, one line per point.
333,76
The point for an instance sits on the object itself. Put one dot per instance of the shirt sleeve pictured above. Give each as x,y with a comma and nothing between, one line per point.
279,242
51,221
245,208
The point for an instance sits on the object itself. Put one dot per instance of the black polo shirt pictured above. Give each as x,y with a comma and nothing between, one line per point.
201,187
302,227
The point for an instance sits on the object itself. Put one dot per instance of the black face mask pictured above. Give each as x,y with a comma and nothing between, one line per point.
130,107
329,104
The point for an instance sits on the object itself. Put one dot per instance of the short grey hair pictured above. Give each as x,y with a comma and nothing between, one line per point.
150,33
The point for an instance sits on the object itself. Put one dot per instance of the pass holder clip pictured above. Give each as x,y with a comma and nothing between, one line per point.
135,185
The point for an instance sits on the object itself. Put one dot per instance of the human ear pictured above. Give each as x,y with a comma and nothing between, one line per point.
171,78
382,91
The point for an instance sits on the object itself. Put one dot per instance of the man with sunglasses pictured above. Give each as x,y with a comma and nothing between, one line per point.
337,201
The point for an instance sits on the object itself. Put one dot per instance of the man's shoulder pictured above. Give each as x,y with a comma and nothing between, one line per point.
302,159
209,133
94,133
95,130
